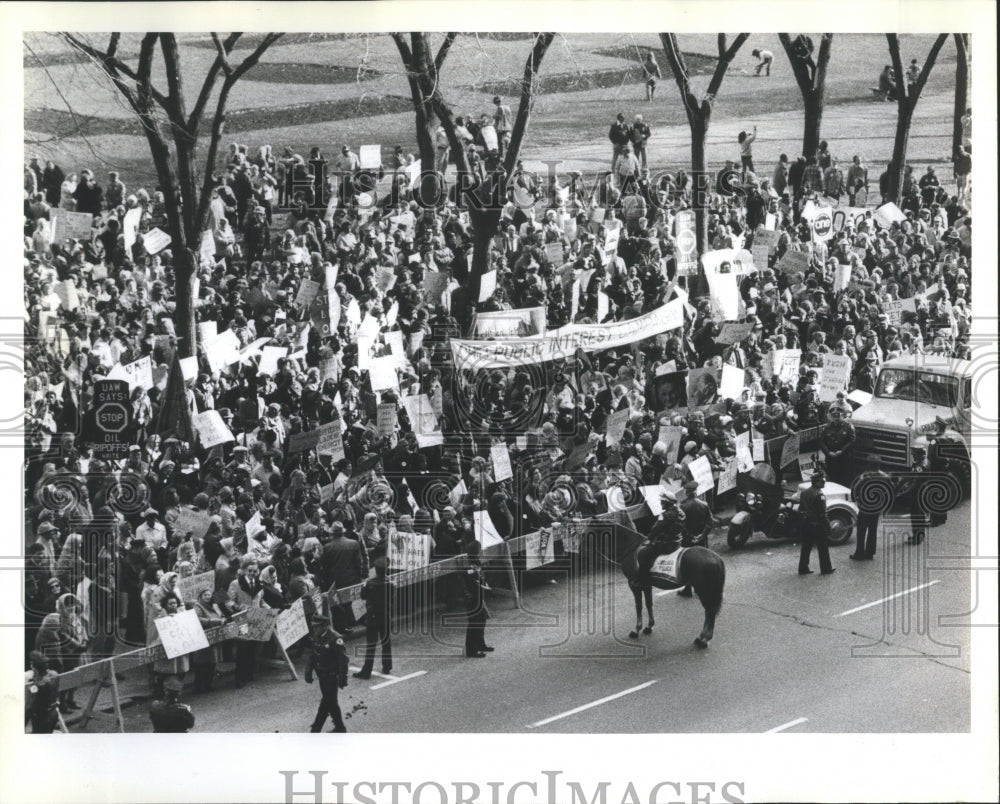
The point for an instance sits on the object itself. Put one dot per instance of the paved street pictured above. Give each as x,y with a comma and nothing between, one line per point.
781,658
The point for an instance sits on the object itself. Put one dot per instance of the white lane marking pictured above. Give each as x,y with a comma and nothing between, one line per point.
592,704
397,680
787,725
885,599
374,673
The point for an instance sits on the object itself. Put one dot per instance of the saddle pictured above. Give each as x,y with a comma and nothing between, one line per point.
665,572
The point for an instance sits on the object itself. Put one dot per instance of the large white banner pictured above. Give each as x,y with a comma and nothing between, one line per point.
563,343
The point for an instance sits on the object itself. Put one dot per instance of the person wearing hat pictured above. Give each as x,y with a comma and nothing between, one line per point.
47,536
169,715
664,537
376,593
836,440
876,481
909,484
697,522
329,662
153,533
42,695
816,529
502,122
476,612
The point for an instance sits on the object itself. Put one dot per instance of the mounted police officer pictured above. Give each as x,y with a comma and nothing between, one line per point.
170,715
664,538
816,526
328,660
837,442
697,522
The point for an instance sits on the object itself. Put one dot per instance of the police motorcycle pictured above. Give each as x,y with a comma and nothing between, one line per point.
767,507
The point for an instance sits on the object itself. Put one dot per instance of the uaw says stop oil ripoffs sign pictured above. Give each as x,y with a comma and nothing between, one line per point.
110,419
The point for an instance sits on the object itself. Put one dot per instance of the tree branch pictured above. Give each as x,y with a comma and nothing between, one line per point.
925,73
442,53
194,121
223,60
118,65
534,60
679,69
254,57
800,66
725,58
897,67
404,49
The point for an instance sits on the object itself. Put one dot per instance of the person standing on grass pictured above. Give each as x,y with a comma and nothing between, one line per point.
765,59
502,123
619,136
640,134
652,72
746,149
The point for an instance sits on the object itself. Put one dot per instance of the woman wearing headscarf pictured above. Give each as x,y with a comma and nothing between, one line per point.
169,605
69,568
205,660
62,638
272,594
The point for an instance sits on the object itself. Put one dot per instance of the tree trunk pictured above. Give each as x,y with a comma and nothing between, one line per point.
814,122
961,91
700,196
900,144
185,271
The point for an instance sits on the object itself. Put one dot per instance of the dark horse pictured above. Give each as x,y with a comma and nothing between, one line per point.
699,567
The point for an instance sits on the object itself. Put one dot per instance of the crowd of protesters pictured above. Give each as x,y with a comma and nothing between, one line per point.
105,553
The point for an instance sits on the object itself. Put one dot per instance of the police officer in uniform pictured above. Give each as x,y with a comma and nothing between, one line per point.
911,485
43,696
170,715
328,660
664,538
816,530
868,520
697,522
837,442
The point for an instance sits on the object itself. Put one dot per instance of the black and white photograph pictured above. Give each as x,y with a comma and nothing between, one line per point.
608,405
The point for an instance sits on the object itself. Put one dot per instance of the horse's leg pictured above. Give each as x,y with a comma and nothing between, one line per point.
648,594
710,593
637,596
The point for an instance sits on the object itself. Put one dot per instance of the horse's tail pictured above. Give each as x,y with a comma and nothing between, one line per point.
712,582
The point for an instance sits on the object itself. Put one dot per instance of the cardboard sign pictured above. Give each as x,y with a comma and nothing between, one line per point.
793,262
727,478
408,551
308,291
180,633
731,384
192,586
888,214
261,622
269,359
671,436
387,418
138,374
701,473
895,309
786,364
758,450
836,375
370,156
789,450
539,549
155,240
807,464
222,351
291,625
331,441
382,372
68,225
487,285
191,521
733,332
554,253
724,293
703,386
616,425
211,429
501,462
759,252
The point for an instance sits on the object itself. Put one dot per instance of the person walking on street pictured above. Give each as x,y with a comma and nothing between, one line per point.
867,540
817,527
328,661
652,72
375,593
475,606
169,715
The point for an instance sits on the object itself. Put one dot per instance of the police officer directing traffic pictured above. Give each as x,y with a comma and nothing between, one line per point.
812,506
170,715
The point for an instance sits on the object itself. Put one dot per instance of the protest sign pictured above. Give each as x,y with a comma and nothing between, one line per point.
69,299
192,586
484,529
416,342
386,418
211,429
269,359
724,293
130,227
413,173
836,375
382,372
670,391
329,440
733,332
554,253
759,252
728,261
423,420
610,248
385,279
727,478
731,384
808,463
703,386
370,156
409,551
155,240
434,285
652,496
208,331
261,622
786,364
487,285
671,438
291,624
758,450
821,224
302,442
841,277
793,262
895,309
189,368
539,548
888,214
617,422
139,373
789,450
68,225
191,521
685,234
222,350
308,291
180,633
521,323
206,248
701,472
501,462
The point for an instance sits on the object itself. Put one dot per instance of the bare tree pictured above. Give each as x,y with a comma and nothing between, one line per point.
167,123
907,96
811,77
423,75
699,115
961,89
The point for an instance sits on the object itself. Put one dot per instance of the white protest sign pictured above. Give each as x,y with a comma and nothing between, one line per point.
671,437
501,462
370,156
386,418
793,262
192,586
701,473
487,285
331,441
211,429
269,359
413,173
485,530
554,253
895,309
181,633
408,551
725,296
155,240
821,224
394,340
130,227
208,330
291,625
68,225
841,277
758,450
382,371
859,397
727,478
308,291
789,450
189,368
222,350
539,548
369,327
888,214
652,496
68,297
786,364
807,464
731,386
140,373
836,375
616,424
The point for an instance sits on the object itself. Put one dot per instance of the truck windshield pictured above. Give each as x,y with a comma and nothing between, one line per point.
918,386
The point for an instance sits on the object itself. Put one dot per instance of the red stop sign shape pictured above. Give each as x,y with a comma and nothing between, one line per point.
112,417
